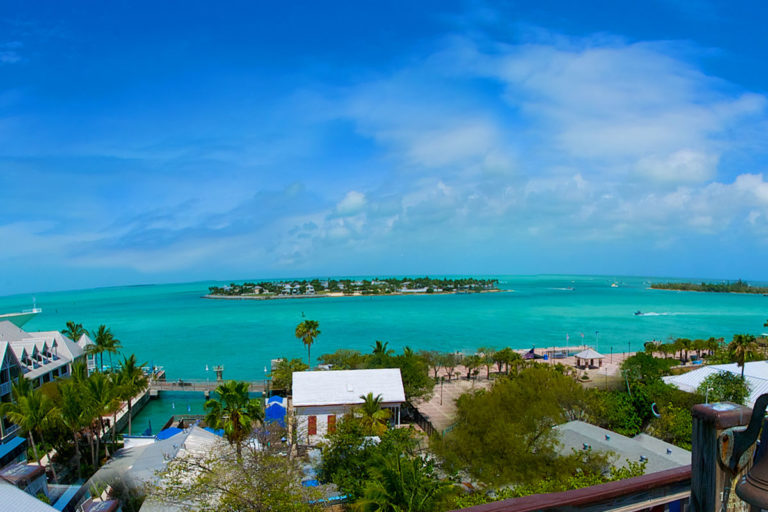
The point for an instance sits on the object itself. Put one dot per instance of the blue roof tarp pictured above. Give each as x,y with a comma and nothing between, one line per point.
275,400
218,431
168,433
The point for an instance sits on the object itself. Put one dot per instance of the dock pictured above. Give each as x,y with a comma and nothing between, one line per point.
196,385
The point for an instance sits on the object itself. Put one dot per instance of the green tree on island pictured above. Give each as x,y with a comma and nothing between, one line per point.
307,331
234,412
742,348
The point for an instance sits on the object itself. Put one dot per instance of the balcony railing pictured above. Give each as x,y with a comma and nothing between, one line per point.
5,388
655,491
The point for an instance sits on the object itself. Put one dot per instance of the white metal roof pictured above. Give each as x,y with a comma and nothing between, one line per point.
589,354
15,499
344,387
755,373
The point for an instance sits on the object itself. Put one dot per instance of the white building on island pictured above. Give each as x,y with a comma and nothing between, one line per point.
320,398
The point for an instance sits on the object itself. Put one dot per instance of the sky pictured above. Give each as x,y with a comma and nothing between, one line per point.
151,142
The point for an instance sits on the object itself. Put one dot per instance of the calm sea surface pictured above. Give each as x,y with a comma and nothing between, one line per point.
173,327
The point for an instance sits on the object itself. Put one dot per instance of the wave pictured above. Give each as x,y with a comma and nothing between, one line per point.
668,313
568,289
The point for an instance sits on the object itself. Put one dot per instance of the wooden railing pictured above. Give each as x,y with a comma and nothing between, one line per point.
197,385
654,491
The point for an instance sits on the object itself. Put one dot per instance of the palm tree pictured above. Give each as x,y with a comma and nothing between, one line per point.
102,394
487,353
742,347
74,412
32,412
104,341
235,412
372,417
74,331
307,331
380,354
133,381
403,484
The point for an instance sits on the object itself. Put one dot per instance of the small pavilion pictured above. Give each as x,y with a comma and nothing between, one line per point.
587,358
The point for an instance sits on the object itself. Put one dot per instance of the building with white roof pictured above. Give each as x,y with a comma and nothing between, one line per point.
658,455
37,356
755,373
320,397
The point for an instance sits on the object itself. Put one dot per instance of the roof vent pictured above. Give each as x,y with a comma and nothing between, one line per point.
350,388
643,458
669,451
607,437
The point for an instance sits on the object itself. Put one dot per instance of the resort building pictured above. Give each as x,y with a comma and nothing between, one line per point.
320,398
37,356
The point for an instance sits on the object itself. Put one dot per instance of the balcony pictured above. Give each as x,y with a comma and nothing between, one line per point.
5,388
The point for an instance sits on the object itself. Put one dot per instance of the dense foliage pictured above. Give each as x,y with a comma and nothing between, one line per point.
725,287
383,473
725,387
513,421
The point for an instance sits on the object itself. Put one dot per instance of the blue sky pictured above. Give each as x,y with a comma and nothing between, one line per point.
145,142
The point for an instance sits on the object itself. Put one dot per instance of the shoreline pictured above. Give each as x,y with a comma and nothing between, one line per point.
337,295
707,291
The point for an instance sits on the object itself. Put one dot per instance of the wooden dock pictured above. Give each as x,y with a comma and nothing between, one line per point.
200,386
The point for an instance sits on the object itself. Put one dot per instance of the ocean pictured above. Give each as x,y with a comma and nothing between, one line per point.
174,327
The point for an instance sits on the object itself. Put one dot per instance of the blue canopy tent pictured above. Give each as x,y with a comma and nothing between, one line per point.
275,412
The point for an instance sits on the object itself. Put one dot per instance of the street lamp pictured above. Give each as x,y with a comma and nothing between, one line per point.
706,399
442,379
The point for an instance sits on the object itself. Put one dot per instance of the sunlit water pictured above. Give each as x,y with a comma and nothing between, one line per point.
173,327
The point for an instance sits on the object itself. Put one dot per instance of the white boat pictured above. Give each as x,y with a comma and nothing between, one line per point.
19,319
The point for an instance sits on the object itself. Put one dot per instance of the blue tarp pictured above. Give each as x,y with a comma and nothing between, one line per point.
168,433
275,400
275,413
218,431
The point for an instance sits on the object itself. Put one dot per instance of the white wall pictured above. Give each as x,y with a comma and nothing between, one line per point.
321,413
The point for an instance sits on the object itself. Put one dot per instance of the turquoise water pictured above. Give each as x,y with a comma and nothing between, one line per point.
173,327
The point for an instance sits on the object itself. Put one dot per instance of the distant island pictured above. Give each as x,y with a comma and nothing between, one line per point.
730,287
348,287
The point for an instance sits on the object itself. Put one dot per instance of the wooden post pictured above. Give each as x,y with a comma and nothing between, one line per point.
709,477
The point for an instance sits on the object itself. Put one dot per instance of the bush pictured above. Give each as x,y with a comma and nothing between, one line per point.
725,387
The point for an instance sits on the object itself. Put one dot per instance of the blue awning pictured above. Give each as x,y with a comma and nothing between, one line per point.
11,445
168,433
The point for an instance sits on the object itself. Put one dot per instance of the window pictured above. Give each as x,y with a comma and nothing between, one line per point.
312,426
331,423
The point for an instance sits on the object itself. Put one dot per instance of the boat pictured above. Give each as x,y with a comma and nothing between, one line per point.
614,285
638,313
19,319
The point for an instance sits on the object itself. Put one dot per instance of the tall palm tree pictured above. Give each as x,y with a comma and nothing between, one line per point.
742,347
105,341
74,331
372,417
103,396
133,381
307,331
74,413
32,412
235,412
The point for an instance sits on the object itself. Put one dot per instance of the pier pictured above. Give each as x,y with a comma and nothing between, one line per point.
204,386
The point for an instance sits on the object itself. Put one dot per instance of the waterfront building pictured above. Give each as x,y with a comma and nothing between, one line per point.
37,356
320,398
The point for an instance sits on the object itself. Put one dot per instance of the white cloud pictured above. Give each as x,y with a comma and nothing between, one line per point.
352,203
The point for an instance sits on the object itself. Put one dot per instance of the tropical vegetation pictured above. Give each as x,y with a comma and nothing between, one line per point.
235,412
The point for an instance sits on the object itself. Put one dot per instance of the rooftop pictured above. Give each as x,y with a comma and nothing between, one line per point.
755,372
344,387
